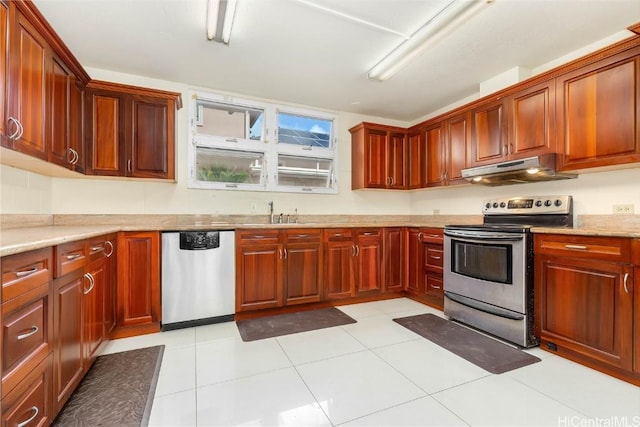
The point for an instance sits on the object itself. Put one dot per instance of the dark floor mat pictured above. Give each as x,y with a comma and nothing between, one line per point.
478,349
291,323
118,390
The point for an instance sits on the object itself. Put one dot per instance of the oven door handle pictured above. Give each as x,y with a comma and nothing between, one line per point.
482,238
481,306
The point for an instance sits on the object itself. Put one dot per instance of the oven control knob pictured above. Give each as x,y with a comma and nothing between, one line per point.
503,204
488,205
495,204
558,202
538,203
547,203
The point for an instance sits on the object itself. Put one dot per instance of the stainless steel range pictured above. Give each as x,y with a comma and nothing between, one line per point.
488,268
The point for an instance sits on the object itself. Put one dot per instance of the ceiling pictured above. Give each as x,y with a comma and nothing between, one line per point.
312,52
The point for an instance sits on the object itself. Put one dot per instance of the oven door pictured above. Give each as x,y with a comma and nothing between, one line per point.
487,266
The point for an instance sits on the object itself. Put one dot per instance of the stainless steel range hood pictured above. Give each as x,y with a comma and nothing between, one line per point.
531,169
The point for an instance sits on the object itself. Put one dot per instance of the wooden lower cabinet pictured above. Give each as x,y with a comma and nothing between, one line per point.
259,276
585,305
138,289
415,265
424,265
302,270
68,340
340,269
394,259
368,257
29,404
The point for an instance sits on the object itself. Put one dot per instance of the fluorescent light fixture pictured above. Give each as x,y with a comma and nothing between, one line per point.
446,20
220,14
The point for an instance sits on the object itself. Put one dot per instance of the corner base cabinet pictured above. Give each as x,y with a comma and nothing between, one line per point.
584,305
138,289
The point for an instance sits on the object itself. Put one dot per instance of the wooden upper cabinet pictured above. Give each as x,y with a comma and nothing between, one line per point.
4,30
598,113
416,159
489,133
435,155
130,131
104,118
457,134
30,56
151,148
58,120
532,121
76,151
378,156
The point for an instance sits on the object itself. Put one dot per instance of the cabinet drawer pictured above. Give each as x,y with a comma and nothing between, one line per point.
303,235
256,236
338,234
26,271
601,248
370,232
99,247
26,335
70,257
433,257
30,403
431,235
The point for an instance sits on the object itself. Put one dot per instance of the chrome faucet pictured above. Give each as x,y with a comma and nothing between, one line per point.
271,212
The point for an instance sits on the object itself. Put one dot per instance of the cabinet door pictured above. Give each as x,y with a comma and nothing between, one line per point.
489,134
416,158
29,404
259,276
396,154
4,31
302,272
94,288
598,113
340,269
138,294
532,121
110,304
415,261
105,133
435,161
585,308
456,148
30,57
67,347
369,261
433,289
150,151
58,116
375,158
394,259
636,320
76,127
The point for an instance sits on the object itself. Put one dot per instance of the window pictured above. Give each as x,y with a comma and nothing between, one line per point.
248,145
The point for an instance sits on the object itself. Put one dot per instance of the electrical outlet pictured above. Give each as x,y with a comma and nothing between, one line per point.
254,207
436,211
623,209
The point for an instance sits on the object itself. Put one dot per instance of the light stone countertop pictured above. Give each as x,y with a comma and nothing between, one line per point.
22,239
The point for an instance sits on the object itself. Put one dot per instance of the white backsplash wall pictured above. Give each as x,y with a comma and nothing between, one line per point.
113,196
593,194
24,192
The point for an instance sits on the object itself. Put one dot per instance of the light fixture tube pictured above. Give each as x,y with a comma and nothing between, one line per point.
450,17
220,14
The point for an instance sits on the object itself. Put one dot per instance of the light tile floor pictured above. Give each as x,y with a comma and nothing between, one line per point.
371,373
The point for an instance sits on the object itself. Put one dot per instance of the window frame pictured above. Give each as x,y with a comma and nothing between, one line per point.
268,145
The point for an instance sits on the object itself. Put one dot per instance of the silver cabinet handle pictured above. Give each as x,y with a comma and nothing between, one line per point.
108,243
626,279
74,156
24,273
92,283
434,236
36,411
17,131
577,247
357,250
129,165
285,253
34,330
420,237
95,249
353,250
435,257
73,256
337,235
280,253
436,287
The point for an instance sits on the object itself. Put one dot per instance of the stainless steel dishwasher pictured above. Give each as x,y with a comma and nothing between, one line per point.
198,278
